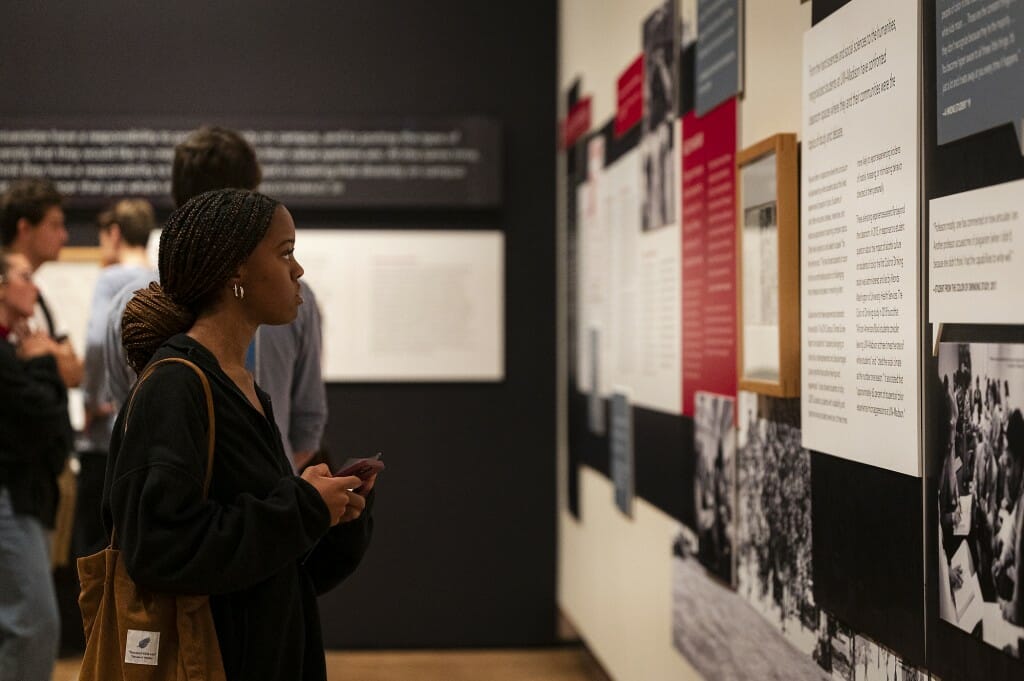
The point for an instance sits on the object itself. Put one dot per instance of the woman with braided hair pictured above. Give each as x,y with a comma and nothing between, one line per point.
264,543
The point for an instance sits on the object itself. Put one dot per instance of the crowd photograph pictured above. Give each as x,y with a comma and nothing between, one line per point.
980,437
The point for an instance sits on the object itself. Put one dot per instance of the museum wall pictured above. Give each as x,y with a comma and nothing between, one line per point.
615,573
860,519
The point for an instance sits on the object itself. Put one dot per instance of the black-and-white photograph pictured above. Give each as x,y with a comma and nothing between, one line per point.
773,537
979,491
849,657
774,557
760,242
720,634
770,628
658,181
714,482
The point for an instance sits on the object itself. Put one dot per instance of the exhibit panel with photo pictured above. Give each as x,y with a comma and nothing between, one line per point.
720,634
658,175
773,535
644,312
774,553
715,482
593,287
724,637
981,473
628,284
850,657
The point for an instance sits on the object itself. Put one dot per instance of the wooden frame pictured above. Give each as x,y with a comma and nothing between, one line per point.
768,267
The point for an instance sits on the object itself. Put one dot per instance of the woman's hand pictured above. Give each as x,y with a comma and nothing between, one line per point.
367,486
343,504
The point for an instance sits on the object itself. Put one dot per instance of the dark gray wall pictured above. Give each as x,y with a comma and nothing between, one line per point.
465,547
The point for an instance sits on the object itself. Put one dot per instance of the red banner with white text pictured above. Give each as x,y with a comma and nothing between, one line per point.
709,253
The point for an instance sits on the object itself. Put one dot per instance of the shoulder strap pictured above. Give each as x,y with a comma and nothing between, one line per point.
50,326
211,437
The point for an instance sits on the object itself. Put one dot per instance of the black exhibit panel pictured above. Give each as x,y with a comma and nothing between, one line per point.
664,452
821,9
867,551
464,547
665,463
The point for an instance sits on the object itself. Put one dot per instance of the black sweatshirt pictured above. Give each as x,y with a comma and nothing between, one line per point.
259,545
35,434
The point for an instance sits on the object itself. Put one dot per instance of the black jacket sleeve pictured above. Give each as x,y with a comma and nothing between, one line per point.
33,409
340,551
170,537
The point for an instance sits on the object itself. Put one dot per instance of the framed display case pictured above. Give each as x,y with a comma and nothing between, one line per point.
768,267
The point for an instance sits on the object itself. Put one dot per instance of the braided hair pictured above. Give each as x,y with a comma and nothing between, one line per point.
201,247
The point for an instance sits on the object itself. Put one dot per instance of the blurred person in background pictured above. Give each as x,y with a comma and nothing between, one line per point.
32,225
35,438
124,230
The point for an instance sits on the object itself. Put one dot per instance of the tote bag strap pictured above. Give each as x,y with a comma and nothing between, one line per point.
211,435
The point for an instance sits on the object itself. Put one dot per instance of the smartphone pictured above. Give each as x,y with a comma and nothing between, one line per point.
361,468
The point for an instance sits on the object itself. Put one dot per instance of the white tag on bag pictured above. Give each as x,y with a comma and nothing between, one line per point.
142,647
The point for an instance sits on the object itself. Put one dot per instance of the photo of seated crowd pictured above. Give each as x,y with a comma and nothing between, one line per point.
982,440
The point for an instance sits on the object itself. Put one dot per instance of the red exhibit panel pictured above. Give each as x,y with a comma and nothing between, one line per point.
709,253
577,123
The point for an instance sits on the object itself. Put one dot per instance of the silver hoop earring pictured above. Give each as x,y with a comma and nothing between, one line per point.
239,291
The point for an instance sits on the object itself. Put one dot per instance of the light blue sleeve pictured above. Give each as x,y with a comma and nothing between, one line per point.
119,377
95,333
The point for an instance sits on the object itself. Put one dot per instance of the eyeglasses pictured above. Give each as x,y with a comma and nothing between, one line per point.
23,275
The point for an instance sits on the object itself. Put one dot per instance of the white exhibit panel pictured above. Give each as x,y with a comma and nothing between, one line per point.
629,307
408,305
594,290
974,277
859,235
645,316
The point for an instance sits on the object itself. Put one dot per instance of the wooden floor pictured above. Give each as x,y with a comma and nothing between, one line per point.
570,663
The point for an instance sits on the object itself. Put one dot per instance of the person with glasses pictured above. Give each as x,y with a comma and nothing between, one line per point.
35,437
